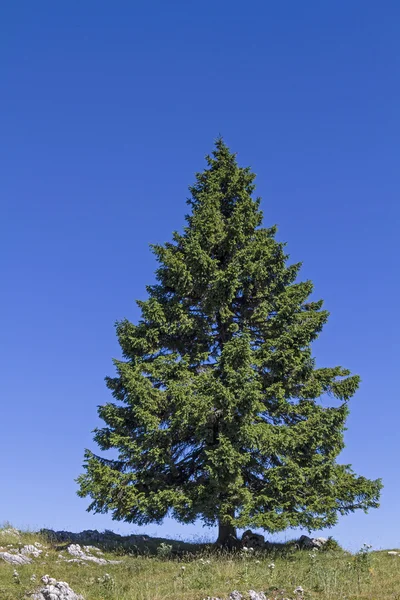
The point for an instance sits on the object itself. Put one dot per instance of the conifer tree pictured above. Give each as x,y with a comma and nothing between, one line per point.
219,410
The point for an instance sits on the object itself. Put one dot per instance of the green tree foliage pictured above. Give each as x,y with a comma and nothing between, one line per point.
220,411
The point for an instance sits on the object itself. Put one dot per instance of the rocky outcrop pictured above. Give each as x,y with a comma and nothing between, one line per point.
311,543
15,559
81,556
31,550
55,590
91,549
21,557
253,540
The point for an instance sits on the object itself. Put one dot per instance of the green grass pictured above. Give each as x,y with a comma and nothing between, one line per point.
193,572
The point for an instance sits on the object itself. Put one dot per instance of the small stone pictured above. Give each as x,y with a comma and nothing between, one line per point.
299,590
256,596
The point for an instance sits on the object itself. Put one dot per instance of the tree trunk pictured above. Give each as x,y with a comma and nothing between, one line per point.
227,536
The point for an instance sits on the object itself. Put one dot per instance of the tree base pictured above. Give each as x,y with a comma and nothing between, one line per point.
227,538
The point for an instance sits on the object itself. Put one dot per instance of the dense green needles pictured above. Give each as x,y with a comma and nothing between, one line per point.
218,410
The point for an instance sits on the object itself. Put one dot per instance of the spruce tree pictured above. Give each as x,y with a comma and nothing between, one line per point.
220,412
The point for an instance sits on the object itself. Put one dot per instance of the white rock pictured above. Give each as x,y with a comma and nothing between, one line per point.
235,595
55,590
92,549
393,553
319,542
256,596
78,561
75,550
31,550
79,556
15,559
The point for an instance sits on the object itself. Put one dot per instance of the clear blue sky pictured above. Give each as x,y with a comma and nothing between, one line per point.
107,110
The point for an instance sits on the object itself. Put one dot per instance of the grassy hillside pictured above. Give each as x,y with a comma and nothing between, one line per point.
165,570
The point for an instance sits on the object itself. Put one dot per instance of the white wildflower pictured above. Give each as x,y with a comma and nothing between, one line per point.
16,576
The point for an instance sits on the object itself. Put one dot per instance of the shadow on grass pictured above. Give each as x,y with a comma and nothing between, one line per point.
165,548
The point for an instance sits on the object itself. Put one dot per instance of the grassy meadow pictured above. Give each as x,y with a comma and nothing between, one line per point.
167,570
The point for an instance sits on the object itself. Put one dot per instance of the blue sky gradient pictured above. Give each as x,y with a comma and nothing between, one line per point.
106,112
